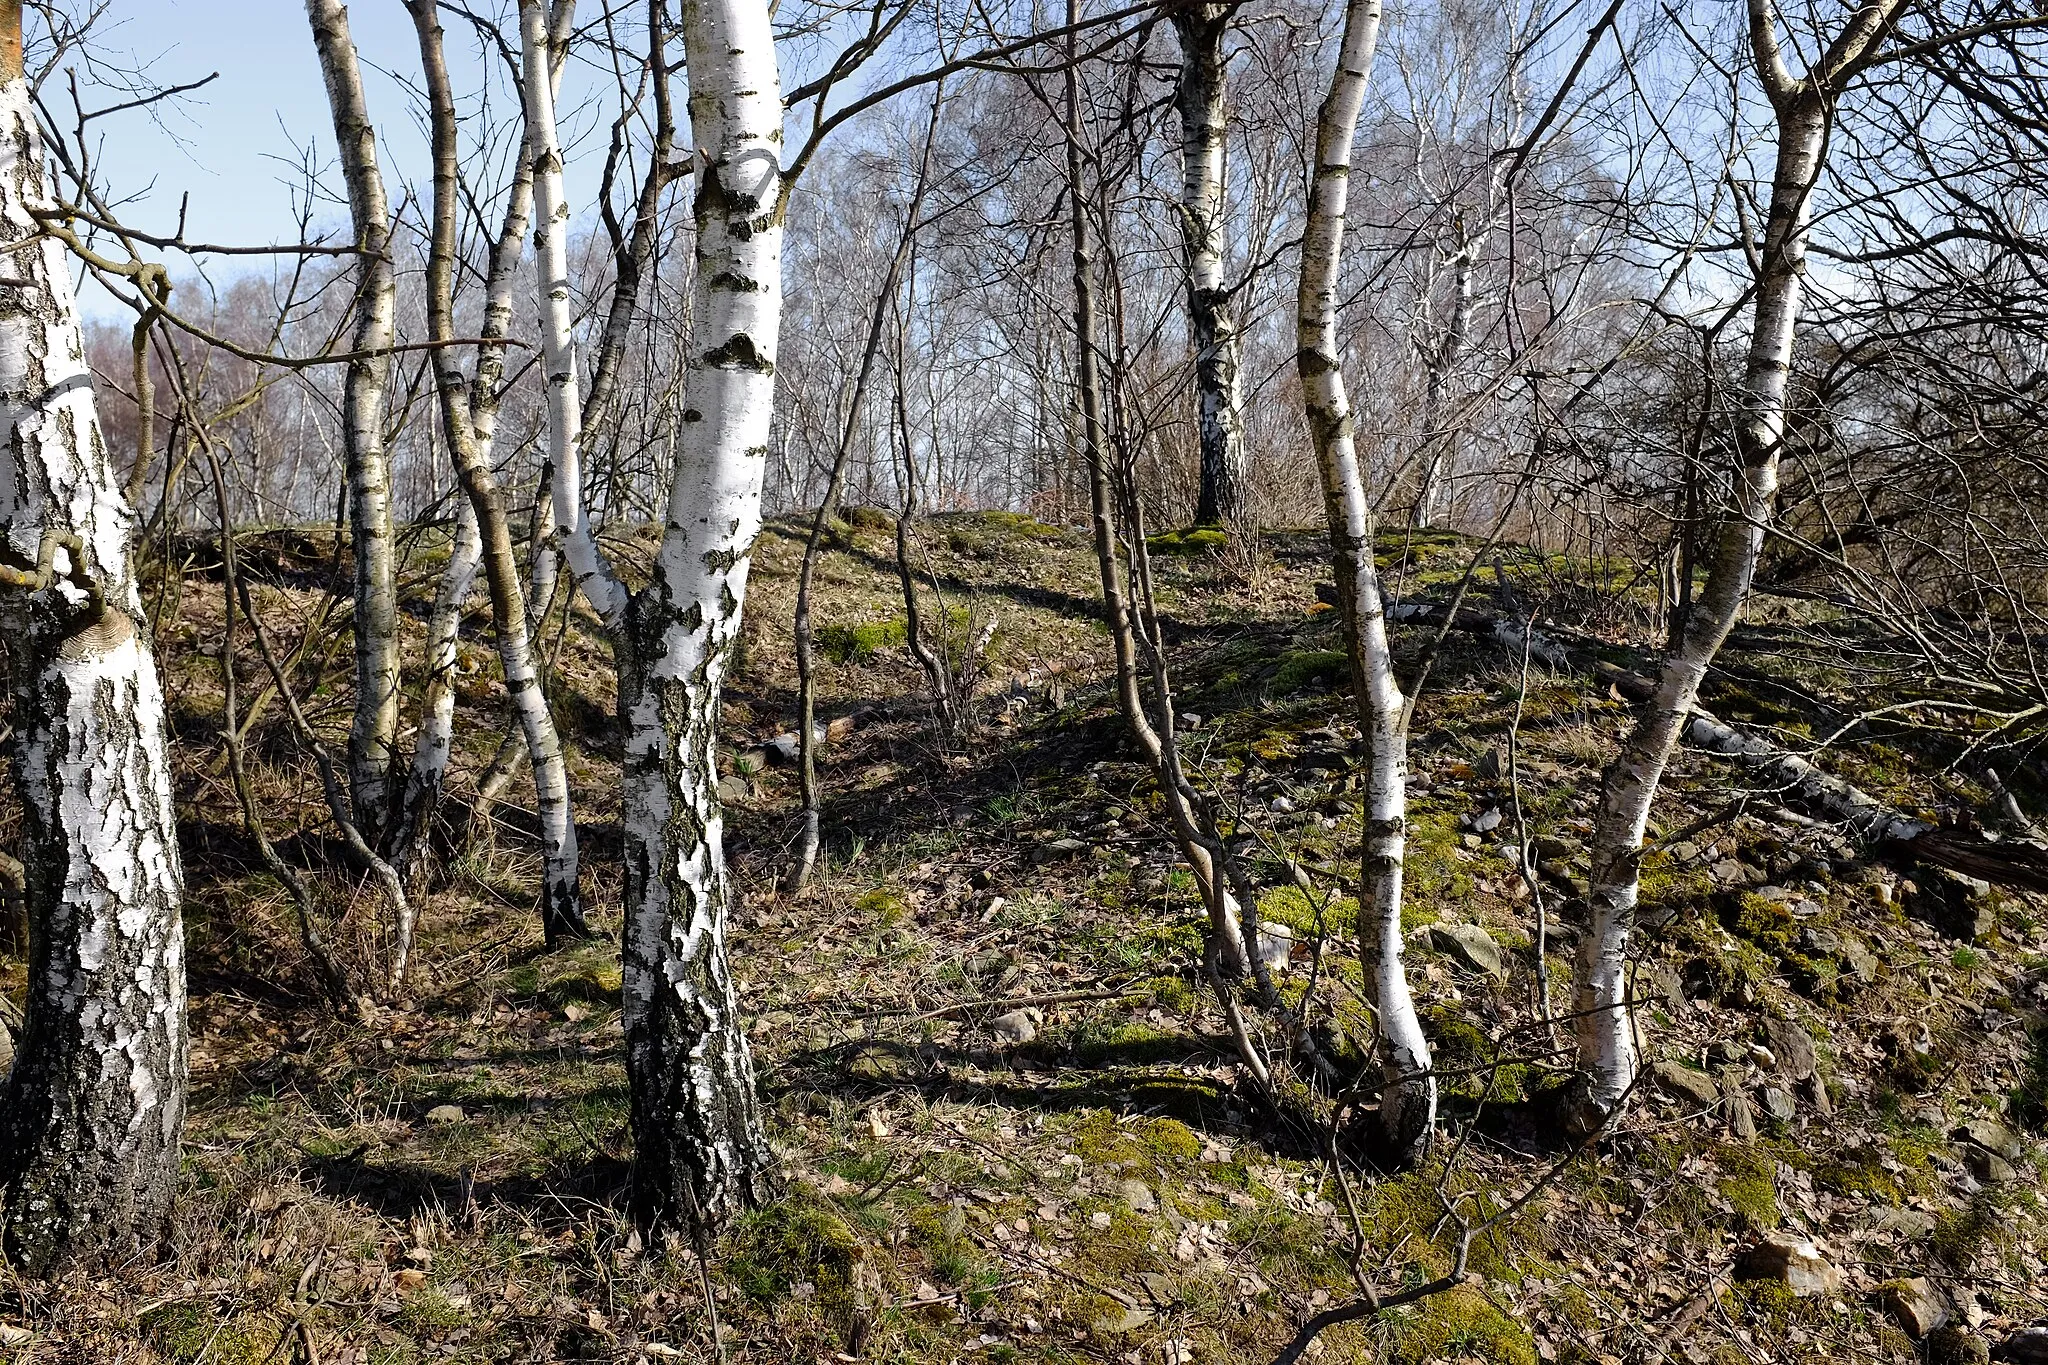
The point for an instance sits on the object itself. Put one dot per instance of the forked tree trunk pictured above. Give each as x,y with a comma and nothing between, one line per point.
1408,1099
469,411
701,1154
1606,1026
431,748
94,1105
373,734
1212,310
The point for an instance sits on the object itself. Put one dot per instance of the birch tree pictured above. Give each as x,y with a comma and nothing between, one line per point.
1802,109
94,1105
1408,1099
1212,308
373,734
700,1152
469,412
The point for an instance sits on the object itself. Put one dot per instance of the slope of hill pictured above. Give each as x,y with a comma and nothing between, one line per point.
1011,1117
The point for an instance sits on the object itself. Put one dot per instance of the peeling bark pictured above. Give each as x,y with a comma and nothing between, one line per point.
701,1153
1408,1097
94,1105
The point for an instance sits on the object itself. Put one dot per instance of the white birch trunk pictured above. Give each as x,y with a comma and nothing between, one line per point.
437,713
372,740
1442,364
469,411
701,1154
1605,1024
1408,1101
93,1108
1211,308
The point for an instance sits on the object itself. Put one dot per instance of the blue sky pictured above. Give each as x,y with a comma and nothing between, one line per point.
232,144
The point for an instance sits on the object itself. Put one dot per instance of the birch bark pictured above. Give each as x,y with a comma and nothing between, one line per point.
1212,311
701,1153
1608,1052
93,1107
372,739
1408,1098
469,412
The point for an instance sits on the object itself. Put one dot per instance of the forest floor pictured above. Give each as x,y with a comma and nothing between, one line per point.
1849,1051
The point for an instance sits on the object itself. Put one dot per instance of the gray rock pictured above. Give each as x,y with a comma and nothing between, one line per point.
1469,944
1017,1027
1486,822
1778,1103
1992,1136
1908,1225
1280,805
1276,946
1138,1196
1682,1082
785,748
1791,1261
1793,1047
1953,904
1953,1346
441,1115
733,789
1741,1118
1988,1167
1861,962
2028,1346
1727,871
1065,848
1915,1305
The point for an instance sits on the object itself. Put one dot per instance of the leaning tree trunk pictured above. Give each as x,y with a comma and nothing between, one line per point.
1408,1099
93,1107
469,410
1803,107
373,734
701,1154
1212,310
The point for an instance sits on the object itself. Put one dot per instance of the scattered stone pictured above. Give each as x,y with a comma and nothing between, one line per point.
1550,846
1779,1104
1276,946
1956,905
1138,1196
1989,1167
1280,805
1068,847
441,1115
733,789
1761,1056
1486,822
878,1064
1992,1136
1915,1305
1907,1225
1727,871
1470,944
1953,1346
1682,1082
1017,1027
2028,1346
1791,1261
1861,962
1684,851
1741,1117
1793,1046
1190,721
784,748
